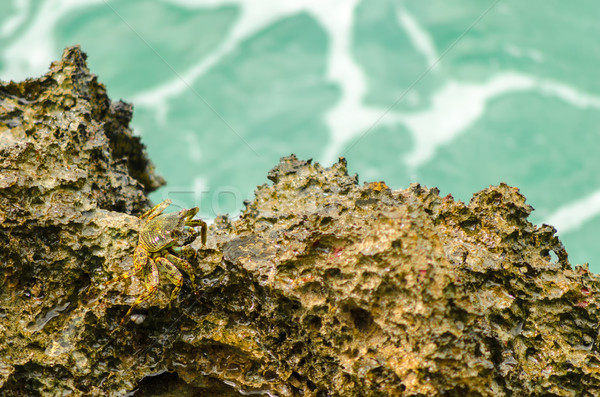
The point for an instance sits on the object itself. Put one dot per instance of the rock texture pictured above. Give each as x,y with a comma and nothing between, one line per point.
322,287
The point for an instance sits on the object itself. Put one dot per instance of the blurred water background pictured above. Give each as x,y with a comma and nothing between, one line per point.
458,94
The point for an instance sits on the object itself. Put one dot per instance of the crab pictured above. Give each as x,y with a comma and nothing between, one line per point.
162,237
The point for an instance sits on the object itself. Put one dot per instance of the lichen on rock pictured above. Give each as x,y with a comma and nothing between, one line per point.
322,287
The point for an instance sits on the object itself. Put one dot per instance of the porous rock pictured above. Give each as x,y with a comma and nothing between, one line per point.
322,287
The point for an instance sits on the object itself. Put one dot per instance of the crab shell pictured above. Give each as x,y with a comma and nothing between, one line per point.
166,230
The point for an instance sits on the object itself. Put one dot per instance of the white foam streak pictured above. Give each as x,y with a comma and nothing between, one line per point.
348,117
455,107
12,24
420,38
570,94
254,16
572,215
31,53
157,97
345,120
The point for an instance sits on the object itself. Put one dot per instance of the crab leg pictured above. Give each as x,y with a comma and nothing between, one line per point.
151,284
186,267
156,210
172,274
196,223
186,250
140,259
183,265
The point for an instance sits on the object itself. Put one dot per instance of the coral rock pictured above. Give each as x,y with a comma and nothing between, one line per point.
323,287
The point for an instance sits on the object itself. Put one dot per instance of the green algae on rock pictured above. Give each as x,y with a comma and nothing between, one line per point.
321,287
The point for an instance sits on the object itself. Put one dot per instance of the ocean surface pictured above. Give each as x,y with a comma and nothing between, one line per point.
458,94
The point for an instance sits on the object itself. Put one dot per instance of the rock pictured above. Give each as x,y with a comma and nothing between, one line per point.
322,286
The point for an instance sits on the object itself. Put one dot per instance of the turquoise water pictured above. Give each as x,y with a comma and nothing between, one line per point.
454,94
